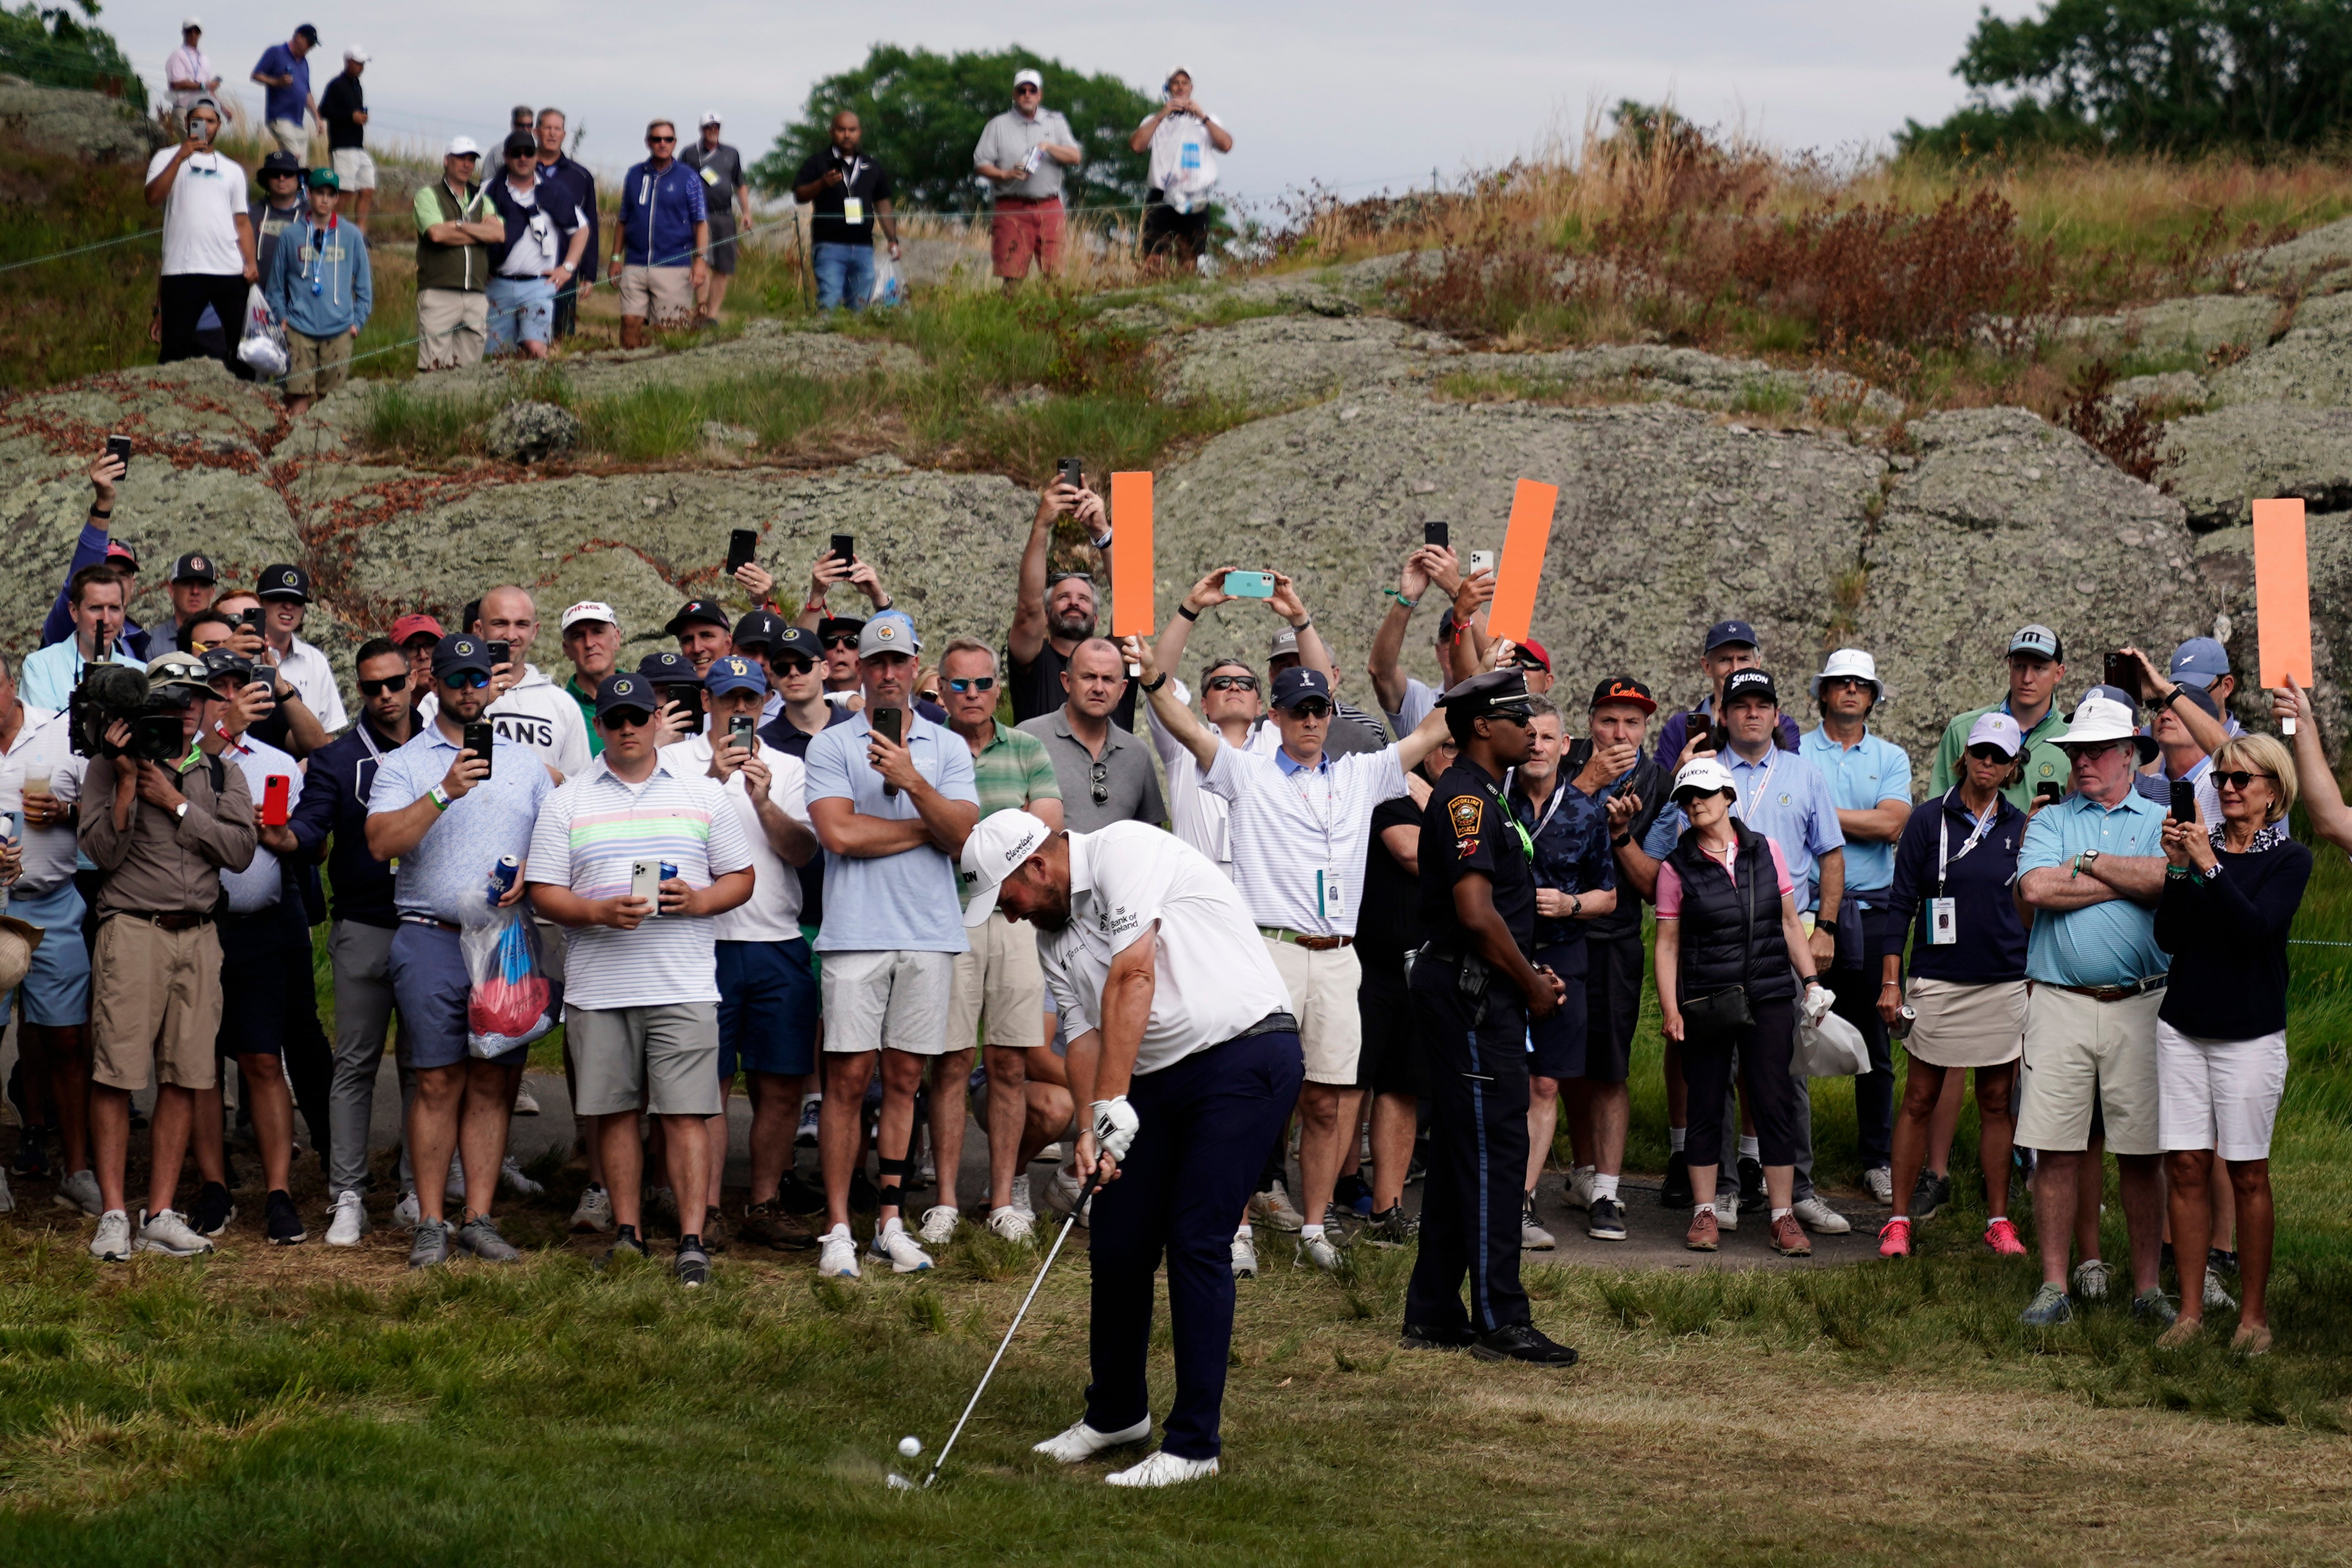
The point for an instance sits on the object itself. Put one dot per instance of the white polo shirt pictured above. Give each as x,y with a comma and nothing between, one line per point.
307,670
1213,978
772,912
1299,833
1200,818
42,747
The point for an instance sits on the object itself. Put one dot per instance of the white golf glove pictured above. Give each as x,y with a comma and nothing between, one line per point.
1819,998
1114,1125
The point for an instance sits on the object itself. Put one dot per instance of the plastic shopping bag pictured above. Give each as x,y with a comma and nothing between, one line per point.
263,345
888,288
1832,1047
512,1001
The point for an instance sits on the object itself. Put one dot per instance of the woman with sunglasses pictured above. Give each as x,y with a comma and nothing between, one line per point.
1730,953
2231,891
1953,867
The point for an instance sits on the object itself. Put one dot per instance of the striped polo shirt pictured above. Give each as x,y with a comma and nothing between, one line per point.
589,832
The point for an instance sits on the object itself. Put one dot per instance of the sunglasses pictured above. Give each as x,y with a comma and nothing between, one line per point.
1232,682
842,640
660,140
973,684
467,680
1311,710
1687,798
793,666
1100,776
625,718
929,697
1512,716
1986,751
1024,86
393,684
1844,683
2238,779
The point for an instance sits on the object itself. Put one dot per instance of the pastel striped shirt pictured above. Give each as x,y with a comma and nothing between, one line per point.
589,832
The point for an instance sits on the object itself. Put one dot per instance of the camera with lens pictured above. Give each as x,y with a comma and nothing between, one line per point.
108,694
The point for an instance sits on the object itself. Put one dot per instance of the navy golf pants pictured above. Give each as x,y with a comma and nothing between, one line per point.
1204,1126
1477,1154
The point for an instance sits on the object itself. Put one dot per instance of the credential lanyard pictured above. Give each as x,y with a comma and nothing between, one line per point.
1944,839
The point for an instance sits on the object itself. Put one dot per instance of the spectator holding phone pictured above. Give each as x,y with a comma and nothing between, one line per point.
97,546
850,193
94,599
208,245
285,595
1054,611
1179,135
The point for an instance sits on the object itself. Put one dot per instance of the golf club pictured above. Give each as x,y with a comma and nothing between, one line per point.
1076,1208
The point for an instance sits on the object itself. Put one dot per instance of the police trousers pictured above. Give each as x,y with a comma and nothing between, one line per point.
1476,1050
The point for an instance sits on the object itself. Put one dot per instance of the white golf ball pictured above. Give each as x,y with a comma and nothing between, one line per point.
909,1447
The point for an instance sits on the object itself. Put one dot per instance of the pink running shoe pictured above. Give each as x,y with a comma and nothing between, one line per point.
1895,1237
2001,1237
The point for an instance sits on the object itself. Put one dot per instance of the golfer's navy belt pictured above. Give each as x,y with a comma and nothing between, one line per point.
1272,1023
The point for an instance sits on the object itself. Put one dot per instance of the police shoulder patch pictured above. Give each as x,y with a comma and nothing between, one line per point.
1467,813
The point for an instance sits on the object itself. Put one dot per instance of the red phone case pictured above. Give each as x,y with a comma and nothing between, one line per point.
274,791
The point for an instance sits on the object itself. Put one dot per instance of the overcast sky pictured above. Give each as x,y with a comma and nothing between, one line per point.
1359,96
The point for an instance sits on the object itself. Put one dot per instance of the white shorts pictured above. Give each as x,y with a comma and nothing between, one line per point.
354,169
999,985
2219,1095
291,136
1323,998
892,1000
2079,1051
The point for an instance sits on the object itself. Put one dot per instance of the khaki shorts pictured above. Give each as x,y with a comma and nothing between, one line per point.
354,169
887,1001
316,366
1322,988
2079,1052
999,983
661,295
155,1003
451,324
663,1058
292,136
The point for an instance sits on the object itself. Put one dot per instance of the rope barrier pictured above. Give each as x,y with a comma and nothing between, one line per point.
95,244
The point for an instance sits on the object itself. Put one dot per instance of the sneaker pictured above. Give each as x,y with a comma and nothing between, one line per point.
1533,1237
2091,1278
2048,1309
80,1190
2155,1306
1727,1210
595,1212
625,1239
480,1237
212,1210
767,1224
2001,1237
1819,1217
1677,1192
693,1262
1929,1194
526,1102
432,1244
2217,1261
1024,1201
796,1196
1352,1195
1415,1170
1429,1336
1062,1194
1880,1180
938,1225
806,1137
1703,1235
1390,1229
512,1180
840,1254
2217,1299
1321,1251
893,1245
281,1222
1053,1154
1162,1468
1789,1237
1895,1237
1243,1255
1083,1442
408,1211
32,1156
170,1234
714,1231
1606,1220
1751,1183
454,1184
112,1242
349,1222
661,1208
1522,1342
1009,1223
1335,1222
1271,1208
1579,1187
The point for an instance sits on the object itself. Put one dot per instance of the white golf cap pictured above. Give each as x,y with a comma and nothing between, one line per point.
1850,662
1996,729
1027,77
590,610
709,117
356,53
1703,774
462,146
997,848
191,24
2098,719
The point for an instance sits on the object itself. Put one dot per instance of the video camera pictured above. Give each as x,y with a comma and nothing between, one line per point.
108,692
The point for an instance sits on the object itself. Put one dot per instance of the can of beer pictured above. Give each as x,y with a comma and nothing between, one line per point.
669,872
502,878
1904,1019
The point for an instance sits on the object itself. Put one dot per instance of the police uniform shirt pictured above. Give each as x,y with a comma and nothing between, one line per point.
1469,827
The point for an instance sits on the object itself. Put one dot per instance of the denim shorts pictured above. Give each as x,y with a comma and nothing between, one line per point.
767,1008
56,986
522,310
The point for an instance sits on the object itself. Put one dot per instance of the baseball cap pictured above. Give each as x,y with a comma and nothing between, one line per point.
324,178
735,674
1285,644
195,567
2039,641
1623,689
670,668
1996,729
192,23
2199,663
634,693
698,611
119,551
798,641
518,143
891,632
408,628
219,662
1026,77
356,53
709,117
1298,685
1531,649
456,655
1001,843
1703,774
307,31
283,581
833,626
462,147
759,628
1751,684
590,610
1724,633
280,163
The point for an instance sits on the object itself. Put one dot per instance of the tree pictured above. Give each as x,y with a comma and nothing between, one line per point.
2172,76
923,113
49,45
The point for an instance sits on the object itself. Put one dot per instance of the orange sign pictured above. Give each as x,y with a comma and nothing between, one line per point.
1512,610
2282,595
1132,611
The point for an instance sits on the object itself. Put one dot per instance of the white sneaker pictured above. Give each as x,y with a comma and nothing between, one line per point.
805,1138
1272,1208
1083,1442
1162,1468
1054,1152
1009,1223
112,1242
840,1254
526,1102
1880,1180
1579,1187
2216,1298
80,1191
938,1225
1317,1249
1062,1193
1819,1218
1726,1207
2090,1277
1533,1237
169,1234
349,1222
408,1211
893,1245
595,1212
1024,1201
511,1178
1244,1256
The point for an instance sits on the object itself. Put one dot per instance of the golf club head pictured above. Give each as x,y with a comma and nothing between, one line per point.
899,1482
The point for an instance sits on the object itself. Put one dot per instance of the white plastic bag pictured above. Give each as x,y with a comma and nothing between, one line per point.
889,289
513,1001
1830,1049
264,344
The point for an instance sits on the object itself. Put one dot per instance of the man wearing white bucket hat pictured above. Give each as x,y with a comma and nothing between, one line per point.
2092,868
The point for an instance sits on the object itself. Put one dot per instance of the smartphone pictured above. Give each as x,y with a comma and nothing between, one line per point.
273,791
688,698
739,732
2050,790
741,545
1068,472
251,618
645,881
1480,560
11,827
890,723
501,654
2184,800
844,548
1433,534
119,447
480,739
2123,674
1249,584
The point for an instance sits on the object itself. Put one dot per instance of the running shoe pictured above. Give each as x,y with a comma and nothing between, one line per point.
626,1239
595,1212
1928,1195
350,1221
1895,1237
1243,1256
893,1245
1430,1336
1317,1249
2001,1237
431,1245
281,1222
80,1190
693,1262
511,1179
2216,1298
938,1225
805,1137
1391,1228
1703,1235
1789,1237
480,1237
212,1210
1523,1343
112,1242
1271,1208
169,1234
408,1211
2091,1278
1726,1209
1881,1183
1010,1223
2155,1306
1533,1237
1606,1220
2048,1309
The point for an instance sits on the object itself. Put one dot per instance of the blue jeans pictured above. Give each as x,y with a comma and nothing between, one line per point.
844,275
522,310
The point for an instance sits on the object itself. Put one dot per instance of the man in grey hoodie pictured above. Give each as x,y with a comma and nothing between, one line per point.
318,286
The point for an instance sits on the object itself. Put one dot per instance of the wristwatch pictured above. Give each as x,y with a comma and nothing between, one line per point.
1829,926
180,811
2087,859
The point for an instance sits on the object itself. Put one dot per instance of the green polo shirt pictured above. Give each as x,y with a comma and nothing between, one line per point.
587,701
2044,763
1010,772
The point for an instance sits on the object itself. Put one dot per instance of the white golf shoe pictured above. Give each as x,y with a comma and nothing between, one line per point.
1162,1468
1083,1442
349,1222
893,1245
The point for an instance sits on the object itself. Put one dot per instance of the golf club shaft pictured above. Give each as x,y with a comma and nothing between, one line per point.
1086,1192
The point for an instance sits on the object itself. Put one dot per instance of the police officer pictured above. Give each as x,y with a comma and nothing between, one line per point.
1474,989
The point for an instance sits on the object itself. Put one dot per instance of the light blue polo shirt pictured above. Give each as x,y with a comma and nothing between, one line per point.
1860,776
2109,944
1784,797
903,902
448,875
